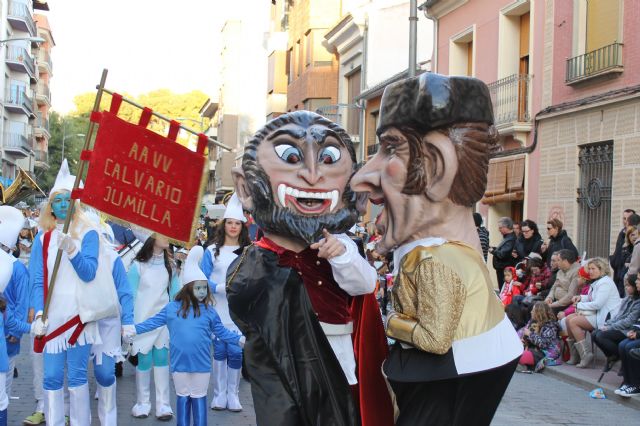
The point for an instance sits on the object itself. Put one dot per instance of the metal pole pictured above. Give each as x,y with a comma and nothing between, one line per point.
413,36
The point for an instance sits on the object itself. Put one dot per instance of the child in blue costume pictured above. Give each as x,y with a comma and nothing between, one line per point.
192,322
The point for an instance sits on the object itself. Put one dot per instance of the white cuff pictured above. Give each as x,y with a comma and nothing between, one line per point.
350,249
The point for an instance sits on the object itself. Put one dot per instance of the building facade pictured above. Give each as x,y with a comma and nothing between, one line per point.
18,86
43,92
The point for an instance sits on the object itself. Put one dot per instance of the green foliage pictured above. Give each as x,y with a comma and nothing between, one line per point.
163,101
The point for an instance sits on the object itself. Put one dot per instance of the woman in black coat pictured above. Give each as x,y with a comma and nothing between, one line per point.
558,239
529,240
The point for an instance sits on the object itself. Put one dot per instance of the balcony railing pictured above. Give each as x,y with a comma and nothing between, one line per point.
42,155
17,141
19,101
41,123
44,59
20,17
599,61
18,59
43,93
510,97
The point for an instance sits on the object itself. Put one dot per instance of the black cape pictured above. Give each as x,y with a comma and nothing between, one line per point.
295,376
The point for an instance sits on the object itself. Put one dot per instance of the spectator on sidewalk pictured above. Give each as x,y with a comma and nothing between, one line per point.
511,287
537,277
566,284
502,254
634,262
530,240
541,338
517,231
628,352
617,259
592,309
558,240
584,285
483,233
615,329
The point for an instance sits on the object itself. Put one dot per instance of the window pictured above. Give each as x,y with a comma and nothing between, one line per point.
289,65
300,56
312,104
353,114
603,22
461,53
308,47
321,56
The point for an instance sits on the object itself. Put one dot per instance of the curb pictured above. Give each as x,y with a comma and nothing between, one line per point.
588,384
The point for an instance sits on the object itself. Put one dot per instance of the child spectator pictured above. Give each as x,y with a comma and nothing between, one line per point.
511,287
541,339
538,275
193,323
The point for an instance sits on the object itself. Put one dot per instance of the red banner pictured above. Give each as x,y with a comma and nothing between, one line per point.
141,177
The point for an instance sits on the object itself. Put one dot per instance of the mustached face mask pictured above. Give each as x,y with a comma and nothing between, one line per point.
60,204
200,290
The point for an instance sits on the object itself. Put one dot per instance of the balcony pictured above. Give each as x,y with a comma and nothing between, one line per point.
41,126
42,158
43,94
18,59
606,60
20,18
17,100
45,64
18,144
510,97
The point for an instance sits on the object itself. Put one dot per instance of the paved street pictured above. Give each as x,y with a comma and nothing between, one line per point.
530,400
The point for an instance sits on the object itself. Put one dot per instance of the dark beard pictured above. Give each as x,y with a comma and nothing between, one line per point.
278,220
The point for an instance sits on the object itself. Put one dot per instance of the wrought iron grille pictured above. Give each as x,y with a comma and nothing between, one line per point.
594,198
593,62
510,97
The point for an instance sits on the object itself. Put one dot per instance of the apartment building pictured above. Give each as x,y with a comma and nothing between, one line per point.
589,130
19,79
42,92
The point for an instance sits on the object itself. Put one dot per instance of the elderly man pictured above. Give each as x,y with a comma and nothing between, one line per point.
455,348
502,254
567,281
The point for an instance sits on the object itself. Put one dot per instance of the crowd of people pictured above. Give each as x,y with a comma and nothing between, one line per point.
560,302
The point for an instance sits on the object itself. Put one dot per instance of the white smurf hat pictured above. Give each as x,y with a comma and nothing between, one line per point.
234,209
11,223
192,271
64,179
6,269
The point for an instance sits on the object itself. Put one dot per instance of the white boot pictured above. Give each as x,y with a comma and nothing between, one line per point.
54,407
233,387
163,399
143,394
79,405
107,408
219,400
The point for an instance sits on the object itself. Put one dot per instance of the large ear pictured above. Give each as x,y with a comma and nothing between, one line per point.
445,168
240,185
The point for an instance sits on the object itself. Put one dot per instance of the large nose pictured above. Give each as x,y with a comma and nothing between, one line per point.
367,179
310,171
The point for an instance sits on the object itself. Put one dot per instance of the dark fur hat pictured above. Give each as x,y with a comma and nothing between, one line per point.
433,101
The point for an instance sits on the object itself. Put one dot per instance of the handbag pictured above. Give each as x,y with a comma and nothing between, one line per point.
98,299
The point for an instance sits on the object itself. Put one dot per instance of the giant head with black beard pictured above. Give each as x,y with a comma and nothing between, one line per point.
294,178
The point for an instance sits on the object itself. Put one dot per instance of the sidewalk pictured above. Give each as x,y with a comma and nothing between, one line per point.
587,378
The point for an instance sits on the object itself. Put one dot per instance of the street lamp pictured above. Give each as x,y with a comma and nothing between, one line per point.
64,138
31,39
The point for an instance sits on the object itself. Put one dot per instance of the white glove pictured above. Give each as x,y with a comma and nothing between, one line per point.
128,333
39,328
242,341
65,242
220,289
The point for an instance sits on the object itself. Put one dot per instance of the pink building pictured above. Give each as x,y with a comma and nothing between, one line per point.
565,81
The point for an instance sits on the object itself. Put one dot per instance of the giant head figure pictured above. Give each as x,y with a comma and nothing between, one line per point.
295,176
436,134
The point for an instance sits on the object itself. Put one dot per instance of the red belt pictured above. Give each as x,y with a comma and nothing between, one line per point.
40,342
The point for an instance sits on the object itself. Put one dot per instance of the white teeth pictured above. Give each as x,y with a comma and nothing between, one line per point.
304,194
282,190
289,190
295,193
334,200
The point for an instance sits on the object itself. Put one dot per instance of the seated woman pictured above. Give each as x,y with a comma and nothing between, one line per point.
537,277
541,338
583,289
615,330
630,363
592,309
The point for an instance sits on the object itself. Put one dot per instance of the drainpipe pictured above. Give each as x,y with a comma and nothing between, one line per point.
413,36
434,55
363,84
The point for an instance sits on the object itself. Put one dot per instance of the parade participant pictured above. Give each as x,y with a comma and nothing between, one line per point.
16,292
106,354
229,236
153,284
455,349
289,293
192,322
68,343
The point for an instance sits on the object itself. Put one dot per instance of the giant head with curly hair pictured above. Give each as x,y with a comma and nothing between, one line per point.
436,134
294,177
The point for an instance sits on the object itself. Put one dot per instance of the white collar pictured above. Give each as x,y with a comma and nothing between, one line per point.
401,251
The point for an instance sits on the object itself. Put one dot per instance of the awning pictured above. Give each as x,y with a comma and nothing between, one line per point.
505,180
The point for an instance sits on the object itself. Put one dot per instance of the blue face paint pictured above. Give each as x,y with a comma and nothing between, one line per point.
200,290
60,204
